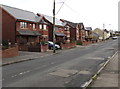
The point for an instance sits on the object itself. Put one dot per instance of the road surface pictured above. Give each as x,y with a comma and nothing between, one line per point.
71,68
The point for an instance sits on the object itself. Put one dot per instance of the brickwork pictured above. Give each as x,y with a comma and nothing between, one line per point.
11,52
68,45
8,27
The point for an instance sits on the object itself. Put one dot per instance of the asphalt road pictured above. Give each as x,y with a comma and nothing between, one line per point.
71,68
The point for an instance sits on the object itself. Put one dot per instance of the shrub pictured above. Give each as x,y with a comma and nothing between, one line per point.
4,47
44,43
80,43
5,43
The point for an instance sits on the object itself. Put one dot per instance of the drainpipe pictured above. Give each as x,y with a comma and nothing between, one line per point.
15,31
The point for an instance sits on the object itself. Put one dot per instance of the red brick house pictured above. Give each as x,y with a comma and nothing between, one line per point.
72,29
81,32
67,33
77,31
59,28
22,27
88,33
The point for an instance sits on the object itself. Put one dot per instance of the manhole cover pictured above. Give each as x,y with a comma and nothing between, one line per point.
64,72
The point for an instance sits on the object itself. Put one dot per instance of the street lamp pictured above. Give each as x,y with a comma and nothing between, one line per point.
54,27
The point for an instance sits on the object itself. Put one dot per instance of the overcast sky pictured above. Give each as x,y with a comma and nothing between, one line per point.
93,13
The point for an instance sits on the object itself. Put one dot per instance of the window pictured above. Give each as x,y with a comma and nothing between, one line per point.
34,26
23,25
45,27
68,28
40,26
65,29
77,31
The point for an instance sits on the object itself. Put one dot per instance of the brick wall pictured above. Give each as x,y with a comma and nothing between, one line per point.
8,27
11,52
86,42
72,34
44,48
68,45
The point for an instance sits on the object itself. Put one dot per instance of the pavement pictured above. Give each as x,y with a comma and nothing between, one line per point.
108,77
24,56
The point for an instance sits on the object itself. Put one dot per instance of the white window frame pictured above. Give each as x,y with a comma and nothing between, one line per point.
45,27
40,26
23,24
34,26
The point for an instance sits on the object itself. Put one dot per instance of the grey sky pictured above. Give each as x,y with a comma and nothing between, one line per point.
91,12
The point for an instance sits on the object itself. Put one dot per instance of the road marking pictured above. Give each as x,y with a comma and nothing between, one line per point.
43,66
14,76
84,72
52,63
20,73
66,82
23,72
42,56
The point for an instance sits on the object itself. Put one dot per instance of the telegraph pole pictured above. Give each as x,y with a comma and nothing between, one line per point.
103,31
54,27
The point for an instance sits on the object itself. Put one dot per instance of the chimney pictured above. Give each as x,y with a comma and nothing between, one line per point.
39,15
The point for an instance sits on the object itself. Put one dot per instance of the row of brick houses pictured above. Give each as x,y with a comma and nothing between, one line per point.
26,28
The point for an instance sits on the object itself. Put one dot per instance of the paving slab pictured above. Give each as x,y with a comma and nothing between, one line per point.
109,75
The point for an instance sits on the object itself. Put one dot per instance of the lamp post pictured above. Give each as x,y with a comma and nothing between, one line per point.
54,27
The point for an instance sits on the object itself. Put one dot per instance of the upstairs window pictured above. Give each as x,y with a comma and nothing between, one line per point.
40,26
77,31
34,26
44,27
23,25
65,29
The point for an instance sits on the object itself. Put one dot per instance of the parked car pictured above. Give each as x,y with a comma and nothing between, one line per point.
50,44
114,38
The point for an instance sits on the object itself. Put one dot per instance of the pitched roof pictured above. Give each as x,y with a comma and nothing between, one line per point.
106,30
29,32
95,34
71,23
21,14
88,28
50,19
